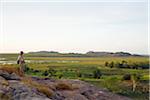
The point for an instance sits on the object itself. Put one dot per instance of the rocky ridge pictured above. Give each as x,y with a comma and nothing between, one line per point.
14,87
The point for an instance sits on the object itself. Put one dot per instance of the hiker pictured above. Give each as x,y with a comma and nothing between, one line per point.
21,62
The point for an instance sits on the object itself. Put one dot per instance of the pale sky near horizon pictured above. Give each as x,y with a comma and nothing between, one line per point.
74,26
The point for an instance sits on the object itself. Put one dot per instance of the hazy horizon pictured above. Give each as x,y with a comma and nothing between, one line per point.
74,26
72,52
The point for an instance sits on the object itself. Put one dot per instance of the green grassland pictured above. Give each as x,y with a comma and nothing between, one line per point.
83,68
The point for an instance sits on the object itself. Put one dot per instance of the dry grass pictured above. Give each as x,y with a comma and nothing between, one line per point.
3,82
64,86
5,97
11,70
45,90
75,86
40,87
51,86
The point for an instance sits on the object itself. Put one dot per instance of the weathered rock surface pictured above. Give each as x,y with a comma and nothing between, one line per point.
22,92
9,76
12,88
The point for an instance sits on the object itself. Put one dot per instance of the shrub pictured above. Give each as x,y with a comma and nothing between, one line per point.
127,77
112,84
144,65
134,66
97,73
137,76
106,63
59,75
27,69
124,64
79,74
36,71
31,70
45,73
87,75
111,65
51,72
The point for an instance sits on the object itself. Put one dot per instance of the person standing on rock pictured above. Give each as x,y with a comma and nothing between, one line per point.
21,62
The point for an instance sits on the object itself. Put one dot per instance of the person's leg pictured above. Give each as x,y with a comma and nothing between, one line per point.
21,69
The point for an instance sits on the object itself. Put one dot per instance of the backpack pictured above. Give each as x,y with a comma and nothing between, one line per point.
18,61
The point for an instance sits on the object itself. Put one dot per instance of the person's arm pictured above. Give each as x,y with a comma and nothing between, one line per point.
18,58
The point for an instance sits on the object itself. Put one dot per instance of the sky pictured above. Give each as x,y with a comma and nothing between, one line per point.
74,26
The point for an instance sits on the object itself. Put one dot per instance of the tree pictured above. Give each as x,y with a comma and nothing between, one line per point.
26,68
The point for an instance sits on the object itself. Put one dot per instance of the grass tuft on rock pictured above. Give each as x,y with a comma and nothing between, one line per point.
40,87
11,70
64,86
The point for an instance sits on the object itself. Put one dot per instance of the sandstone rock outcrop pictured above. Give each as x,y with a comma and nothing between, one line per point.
12,87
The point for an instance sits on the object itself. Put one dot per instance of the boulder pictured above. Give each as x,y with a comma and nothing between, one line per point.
4,74
14,76
9,76
22,92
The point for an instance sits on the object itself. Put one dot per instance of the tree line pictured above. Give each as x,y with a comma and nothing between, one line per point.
125,64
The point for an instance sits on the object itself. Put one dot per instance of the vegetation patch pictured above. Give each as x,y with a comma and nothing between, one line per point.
64,86
11,70
112,73
40,87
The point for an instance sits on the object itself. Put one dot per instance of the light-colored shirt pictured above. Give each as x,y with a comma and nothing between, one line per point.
20,58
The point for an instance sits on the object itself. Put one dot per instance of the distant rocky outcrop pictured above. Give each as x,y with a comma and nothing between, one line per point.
14,87
50,52
88,54
92,53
